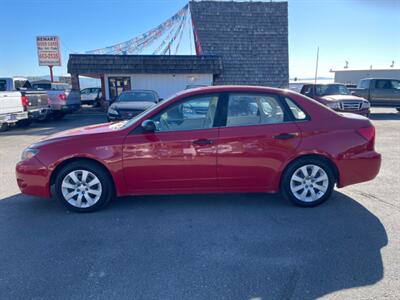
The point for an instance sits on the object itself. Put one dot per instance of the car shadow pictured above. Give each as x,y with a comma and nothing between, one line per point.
50,127
238,246
385,116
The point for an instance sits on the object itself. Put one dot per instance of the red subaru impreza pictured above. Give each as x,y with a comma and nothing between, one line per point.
219,139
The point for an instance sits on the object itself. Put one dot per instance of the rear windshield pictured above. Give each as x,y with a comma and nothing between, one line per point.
136,96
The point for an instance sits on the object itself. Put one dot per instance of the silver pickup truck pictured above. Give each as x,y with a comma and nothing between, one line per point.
379,91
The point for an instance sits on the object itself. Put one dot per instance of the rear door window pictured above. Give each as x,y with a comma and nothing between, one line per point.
383,84
247,109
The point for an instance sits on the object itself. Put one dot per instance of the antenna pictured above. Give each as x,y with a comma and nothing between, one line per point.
392,65
347,64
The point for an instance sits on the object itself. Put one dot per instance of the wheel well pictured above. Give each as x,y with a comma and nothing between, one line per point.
83,159
325,159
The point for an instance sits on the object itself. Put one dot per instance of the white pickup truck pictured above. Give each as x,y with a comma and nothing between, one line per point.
11,109
35,103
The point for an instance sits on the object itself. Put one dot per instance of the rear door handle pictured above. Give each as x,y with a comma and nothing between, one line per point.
285,136
203,142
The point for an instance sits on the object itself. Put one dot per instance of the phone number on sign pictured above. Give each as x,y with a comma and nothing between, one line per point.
48,56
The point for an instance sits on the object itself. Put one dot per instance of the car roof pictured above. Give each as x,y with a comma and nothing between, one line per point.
230,88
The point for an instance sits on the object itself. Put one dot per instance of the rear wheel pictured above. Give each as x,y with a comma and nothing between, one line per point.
24,123
3,127
58,115
308,182
83,186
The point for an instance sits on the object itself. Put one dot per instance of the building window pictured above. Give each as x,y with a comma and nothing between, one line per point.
117,85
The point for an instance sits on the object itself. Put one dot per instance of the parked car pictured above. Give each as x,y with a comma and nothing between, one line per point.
337,97
35,103
250,139
91,96
380,92
62,99
12,109
131,103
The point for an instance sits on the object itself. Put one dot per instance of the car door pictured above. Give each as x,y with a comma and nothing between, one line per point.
386,92
258,138
180,156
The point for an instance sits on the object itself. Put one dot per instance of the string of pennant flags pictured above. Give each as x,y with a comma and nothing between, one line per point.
172,29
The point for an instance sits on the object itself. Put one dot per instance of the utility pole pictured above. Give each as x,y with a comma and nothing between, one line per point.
316,66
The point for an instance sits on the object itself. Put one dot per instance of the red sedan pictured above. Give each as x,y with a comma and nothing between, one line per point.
219,139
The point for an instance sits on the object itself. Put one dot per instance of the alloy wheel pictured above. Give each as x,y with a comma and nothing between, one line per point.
309,183
81,188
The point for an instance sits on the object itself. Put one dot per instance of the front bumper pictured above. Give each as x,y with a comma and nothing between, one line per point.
33,178
358,168
121,116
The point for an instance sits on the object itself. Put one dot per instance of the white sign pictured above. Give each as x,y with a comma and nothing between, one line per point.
48,48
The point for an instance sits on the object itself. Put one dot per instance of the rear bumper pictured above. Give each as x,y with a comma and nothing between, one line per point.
39,113
33,178
13,117
358,168
65,108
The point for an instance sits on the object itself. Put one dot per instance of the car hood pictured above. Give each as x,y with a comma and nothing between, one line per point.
334,98
132,105
81,131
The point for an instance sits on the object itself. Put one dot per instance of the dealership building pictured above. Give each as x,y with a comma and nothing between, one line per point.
243,43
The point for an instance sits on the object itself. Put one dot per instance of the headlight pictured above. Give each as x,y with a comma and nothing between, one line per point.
29,153
112,111
333,105
366,104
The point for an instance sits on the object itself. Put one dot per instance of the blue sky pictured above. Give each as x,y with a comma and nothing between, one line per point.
363,32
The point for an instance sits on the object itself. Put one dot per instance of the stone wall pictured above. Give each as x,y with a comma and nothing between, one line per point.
251,38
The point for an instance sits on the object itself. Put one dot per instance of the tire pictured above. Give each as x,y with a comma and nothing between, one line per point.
4,127
58,115
76,193
24,123
311,190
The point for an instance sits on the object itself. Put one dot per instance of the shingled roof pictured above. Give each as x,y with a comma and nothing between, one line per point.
92,64
251,38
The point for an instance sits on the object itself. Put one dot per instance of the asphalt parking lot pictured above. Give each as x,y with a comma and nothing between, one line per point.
202,246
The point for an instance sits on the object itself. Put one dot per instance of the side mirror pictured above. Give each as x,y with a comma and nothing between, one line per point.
160,99
149,126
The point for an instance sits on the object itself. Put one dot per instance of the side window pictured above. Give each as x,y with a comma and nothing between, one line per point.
298,114
247,109
396,84
191,114
383,84
364,84
307,90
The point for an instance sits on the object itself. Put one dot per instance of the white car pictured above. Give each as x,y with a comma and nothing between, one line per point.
91,96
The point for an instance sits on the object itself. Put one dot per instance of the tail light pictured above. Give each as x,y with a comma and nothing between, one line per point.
368,133
24,102
62,97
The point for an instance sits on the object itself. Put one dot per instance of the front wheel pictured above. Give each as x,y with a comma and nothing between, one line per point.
308,182
83,186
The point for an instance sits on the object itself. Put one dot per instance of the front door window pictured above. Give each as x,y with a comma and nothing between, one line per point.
117,85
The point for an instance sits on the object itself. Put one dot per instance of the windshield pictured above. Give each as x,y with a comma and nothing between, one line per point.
137,96
331,89
127,123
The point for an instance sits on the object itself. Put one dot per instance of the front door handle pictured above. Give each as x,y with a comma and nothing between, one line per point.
285,136
202,142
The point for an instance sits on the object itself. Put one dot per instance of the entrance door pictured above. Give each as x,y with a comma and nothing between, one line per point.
180,156
117,85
